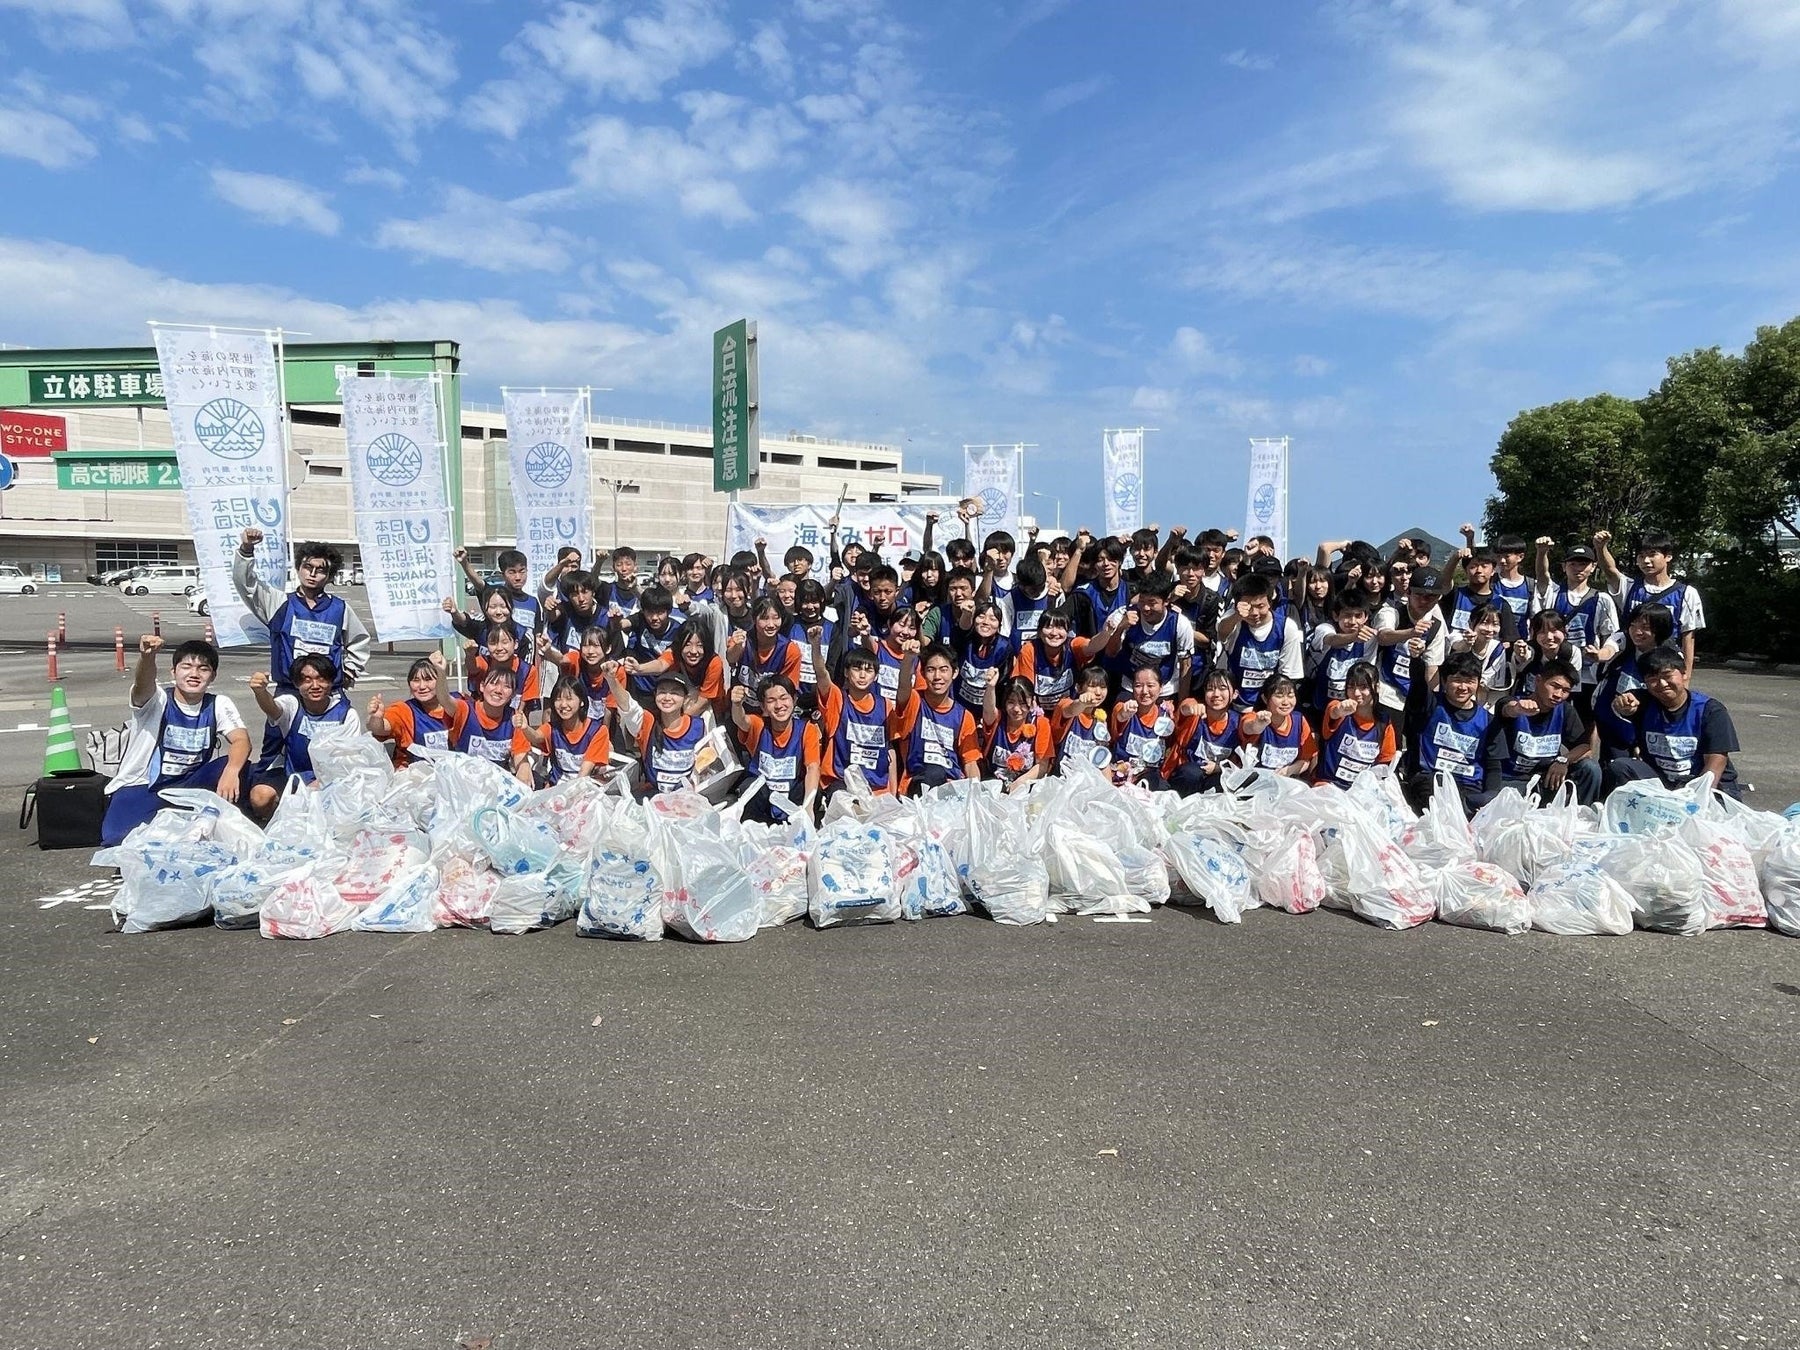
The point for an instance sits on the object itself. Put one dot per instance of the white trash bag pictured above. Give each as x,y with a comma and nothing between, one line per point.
622,897
404,907
1663,877
1732,893
167,883
1214,872
850,876
526,901
1476,894
1006,873
926,875
712,899
1644,805
305,905
1578,897
1781,882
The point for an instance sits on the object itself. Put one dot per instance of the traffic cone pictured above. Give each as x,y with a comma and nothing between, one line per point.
60,754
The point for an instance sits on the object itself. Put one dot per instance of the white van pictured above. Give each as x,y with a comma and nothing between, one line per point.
14,581
164,581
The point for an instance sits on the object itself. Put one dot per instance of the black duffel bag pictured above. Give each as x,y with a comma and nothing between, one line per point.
69,805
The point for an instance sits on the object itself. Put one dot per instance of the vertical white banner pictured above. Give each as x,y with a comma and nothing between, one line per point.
393,435
1265,508
1122,462
991,475
223,389
546,437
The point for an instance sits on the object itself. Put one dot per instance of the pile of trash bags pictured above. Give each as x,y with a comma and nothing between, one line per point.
453,841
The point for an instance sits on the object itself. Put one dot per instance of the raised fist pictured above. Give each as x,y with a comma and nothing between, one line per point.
461,555
149,643
1602,538
250,539
1342,707
259,679
1544,541
375,706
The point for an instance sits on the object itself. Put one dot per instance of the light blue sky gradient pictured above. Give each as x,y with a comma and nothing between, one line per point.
1378,228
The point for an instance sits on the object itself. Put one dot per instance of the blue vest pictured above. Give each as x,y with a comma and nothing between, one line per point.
567,757
184,740
1253,661
1145,746
1534,742
862,739
1618,733
292,752
1026,613
1204,745
494,746
1458,744
1462,605
1278,749
753,673
1638,595
976,667
1336,666
1052,683
297,629
796,633
644,647
1153,647
565,633
1006,746
1396,659
783,766
671,758
1672,740
932,741
1516,596
526,612
1087,745
428,728
1350,750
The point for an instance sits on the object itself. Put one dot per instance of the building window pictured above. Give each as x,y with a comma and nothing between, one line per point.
779,458
877,466
882,497
690,451
312,417
639,447
314,469
111,554
827,462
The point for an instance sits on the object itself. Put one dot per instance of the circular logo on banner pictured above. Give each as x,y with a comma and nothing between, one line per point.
547,464
419,531
268,511
1125,492
229,429
567,527
395,459
993,503
1264,503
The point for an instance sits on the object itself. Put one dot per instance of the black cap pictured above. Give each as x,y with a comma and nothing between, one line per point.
1580,553
674,677
1426,579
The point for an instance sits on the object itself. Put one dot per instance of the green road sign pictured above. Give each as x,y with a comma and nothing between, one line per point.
117,471
737,452
116,385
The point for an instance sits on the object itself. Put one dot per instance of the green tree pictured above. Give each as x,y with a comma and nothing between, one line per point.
1690,420
1571,468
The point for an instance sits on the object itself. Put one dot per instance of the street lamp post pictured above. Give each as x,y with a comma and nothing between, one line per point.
618,485
1042,496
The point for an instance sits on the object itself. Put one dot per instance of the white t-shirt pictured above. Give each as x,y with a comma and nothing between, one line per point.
1692,617
146,726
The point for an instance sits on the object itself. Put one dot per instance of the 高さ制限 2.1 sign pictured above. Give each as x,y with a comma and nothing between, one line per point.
737,452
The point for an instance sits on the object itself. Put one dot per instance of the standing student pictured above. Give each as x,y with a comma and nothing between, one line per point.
765,654
515,576
1197,600
1339,644
175,738
1049,658
315,706
1459,606
306,621
422,718
1028,599
783,750
1258,638
1548,739
1512,587
1450,729
495,609
648,635
1154,635
1650,628
1279,738
1412,639
575,609
936,732
984,653
1655,584
1356,732
1591,617
624,592
1549,642
809,613
498,652
1016,734
1681,733
1106,593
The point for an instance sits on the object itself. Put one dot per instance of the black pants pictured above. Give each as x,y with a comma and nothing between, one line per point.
927,776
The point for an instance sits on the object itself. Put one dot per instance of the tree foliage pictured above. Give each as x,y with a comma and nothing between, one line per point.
1711,455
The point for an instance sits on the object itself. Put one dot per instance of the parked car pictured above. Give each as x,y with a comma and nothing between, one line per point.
197,603
164,581
15,581
487,579
118,576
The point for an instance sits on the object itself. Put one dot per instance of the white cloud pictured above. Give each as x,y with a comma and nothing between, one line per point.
275,200
134,129
1068,95
77,23
507,107
769,50
364,174
630,163
1195,353
1311,367
1244,59
43,138
649,50
481,232
858,220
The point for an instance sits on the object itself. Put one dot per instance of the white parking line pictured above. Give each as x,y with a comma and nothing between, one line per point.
33,726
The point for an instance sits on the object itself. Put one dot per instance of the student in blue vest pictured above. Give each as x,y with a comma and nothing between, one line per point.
1590,616
487,724
1621,678
1479,566
421,719
515,574
307,620
984,652
1452,729
648,636
1682,733
780,748
1207,737
1512,587
1257,638
1548,739
809,613
1155,635
1346,639
316,707
858,721
175,738
935,733
573,742
1413,637
575,608
672,745
1355,732
1655,584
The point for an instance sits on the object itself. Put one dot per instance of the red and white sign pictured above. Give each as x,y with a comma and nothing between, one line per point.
27,435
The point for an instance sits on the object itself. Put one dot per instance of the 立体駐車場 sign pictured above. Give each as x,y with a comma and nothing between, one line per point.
118,385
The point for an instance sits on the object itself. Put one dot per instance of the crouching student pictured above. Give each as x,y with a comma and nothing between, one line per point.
1080,731
175,737
1681,733
574,741
1144,729
937,733
422,718
1357,733
672,744
782,751
294,719
1279,739
1450,729
859,721
1547,739
1017,733
488,726
1209,736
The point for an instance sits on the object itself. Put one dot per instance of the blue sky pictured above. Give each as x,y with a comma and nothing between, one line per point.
1378,228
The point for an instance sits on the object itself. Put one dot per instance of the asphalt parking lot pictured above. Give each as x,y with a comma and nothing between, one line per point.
1302,1131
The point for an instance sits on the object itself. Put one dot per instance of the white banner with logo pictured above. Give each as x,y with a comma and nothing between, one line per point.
1122,461
393,433
991,476
1265,509
891,528
223,389
546,437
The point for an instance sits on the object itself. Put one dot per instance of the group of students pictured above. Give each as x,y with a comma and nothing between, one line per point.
1157,659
